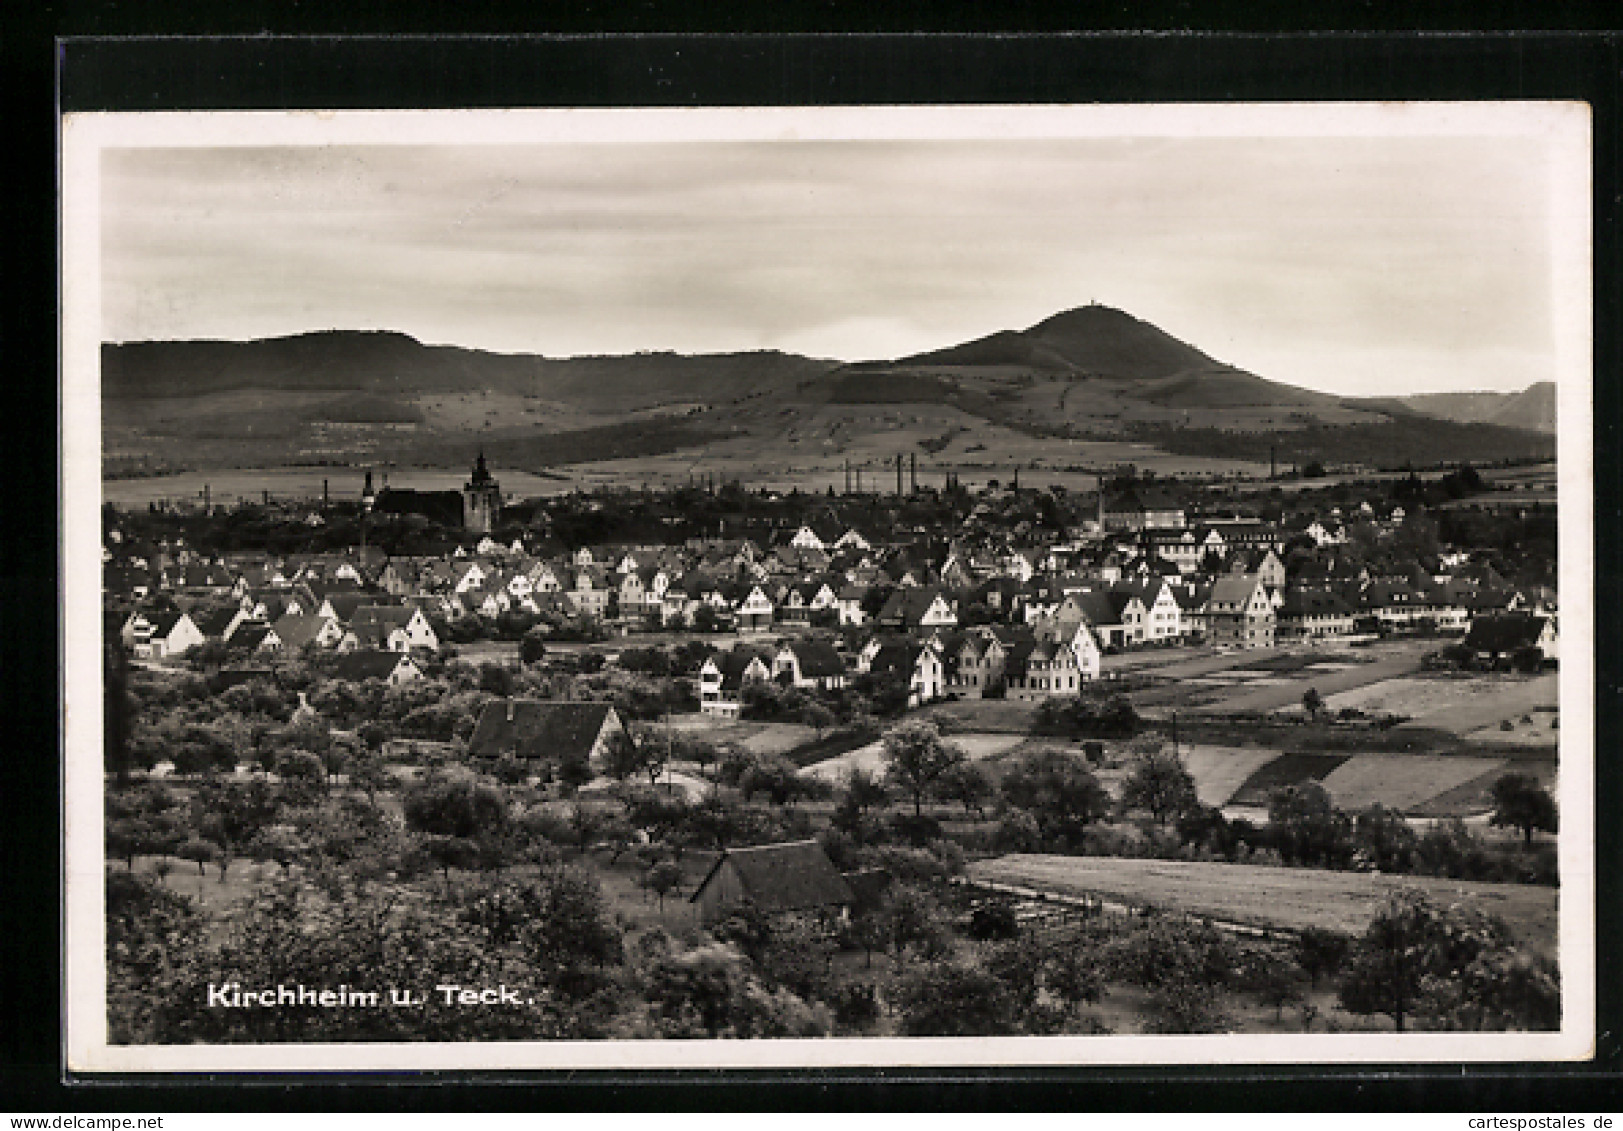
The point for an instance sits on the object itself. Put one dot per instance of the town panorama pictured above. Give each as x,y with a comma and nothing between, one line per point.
896,753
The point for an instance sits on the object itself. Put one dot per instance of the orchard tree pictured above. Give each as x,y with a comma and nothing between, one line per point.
1161,784
917,757
1520,803
971,785
532,646
1321,953
457,808
1388,965
625,758
1059,792
1308,828
1312,703
662,879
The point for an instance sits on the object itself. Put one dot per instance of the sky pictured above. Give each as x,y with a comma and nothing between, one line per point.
1354,265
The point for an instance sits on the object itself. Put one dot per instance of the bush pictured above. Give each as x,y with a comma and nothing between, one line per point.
993,919
916,829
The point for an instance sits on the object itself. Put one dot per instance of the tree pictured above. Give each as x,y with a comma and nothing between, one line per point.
1387,966
1307,827
574,771
1059,792
956,998
1274,979
916,757
625,758
662,879
1312,703
710,991
1520,803
459,808
907,916
1160,783
532,646
1386,841
1321,952
970,784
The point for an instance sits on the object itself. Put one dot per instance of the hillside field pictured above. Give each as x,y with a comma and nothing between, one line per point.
1285,898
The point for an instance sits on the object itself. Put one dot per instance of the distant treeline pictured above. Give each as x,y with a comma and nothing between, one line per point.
1397,443
609,441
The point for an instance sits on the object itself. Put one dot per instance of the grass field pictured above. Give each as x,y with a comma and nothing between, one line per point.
1403,782
1456,703
872,756
1219,771
1287,898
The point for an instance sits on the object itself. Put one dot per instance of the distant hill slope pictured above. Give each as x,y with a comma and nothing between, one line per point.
399,365
1089,374
1533,408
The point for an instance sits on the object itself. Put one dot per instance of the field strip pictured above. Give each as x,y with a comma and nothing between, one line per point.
778,738
1289,898
1328,683
872,756
1219,771
1509,700
1401,781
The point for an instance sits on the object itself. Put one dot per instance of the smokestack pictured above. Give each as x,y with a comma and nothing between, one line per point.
1273,467
206,504
913,471
323,494
265,495
898,473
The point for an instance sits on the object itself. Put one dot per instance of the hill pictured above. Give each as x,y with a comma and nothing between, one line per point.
398,365
1076,389
1533,408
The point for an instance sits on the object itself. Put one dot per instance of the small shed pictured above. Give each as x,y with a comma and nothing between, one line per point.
795,877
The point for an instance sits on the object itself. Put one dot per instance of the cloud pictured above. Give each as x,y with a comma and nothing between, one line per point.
1307,260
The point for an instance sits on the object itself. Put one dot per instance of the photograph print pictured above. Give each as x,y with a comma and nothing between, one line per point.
784,587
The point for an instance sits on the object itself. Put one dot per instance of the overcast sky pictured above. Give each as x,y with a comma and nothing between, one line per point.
1354,265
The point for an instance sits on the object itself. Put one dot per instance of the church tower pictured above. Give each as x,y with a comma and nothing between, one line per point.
481,500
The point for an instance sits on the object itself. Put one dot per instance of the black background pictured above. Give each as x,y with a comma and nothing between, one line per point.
382,55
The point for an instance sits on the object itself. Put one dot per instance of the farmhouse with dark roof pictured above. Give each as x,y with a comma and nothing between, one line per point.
796,877
545,730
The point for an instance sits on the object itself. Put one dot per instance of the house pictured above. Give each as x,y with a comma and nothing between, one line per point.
850,603
298,632
393,628
153,636
1042,669
219,624
1192,598
1141,508
924,608
810,663
256,639
723,677
546,730
1313,614
755,611
920,664
1075,634
818,534
1162,620
792,878
974,662
1239,612
1496,635
393,668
